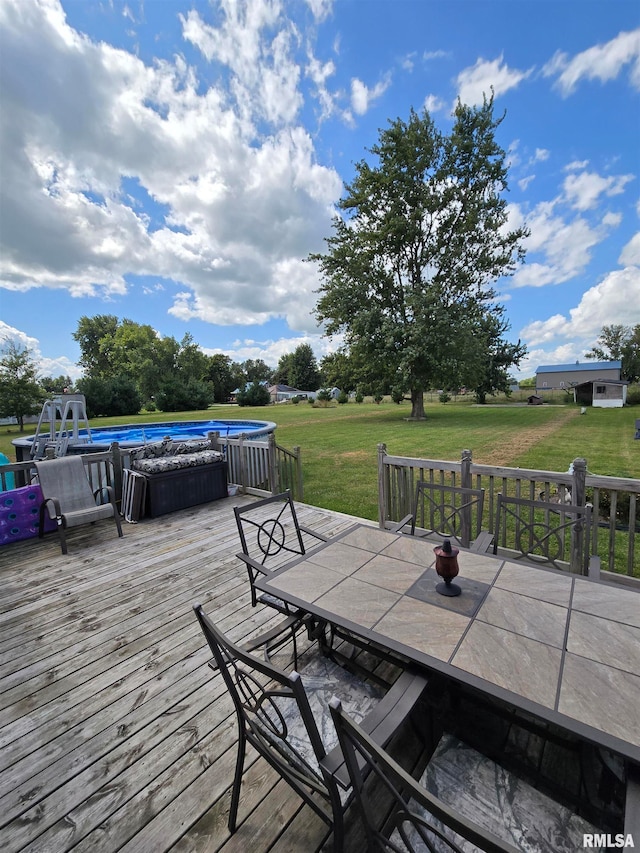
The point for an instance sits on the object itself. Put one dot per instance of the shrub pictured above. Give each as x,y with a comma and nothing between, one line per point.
255,395
633,395
175,395
343,398
397,395
444,397
109,397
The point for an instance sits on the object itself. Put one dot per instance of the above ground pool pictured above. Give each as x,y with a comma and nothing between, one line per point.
133,435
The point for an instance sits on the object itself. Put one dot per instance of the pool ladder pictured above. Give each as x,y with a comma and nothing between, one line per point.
70,411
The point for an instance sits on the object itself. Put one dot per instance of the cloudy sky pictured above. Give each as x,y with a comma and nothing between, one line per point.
174,161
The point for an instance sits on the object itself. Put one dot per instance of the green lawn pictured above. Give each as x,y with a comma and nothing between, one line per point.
339,444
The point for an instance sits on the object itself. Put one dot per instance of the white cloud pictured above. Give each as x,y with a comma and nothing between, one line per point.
565,247
255,42
561,243
19,338
60,366
576,164
362,97
603,62
478,80
433,104
321,8
630,255
611,220
319,73
271,351
541,155
237,190
428,55
566,353
615,300
408,62
583,191
523,183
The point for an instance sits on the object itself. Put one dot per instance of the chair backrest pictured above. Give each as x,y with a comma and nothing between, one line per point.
451,512
274,715
65,478
415,819
269,530
556,534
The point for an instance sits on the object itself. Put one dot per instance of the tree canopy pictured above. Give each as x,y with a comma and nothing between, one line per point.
21,393
619,343
409,271
299,369
128,363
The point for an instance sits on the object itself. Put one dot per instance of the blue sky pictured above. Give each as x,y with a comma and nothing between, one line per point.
174,161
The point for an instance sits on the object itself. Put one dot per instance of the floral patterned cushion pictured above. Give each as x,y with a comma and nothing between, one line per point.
154,450
160,464
191,446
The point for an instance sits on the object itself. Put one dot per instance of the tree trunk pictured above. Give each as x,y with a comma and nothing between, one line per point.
417,404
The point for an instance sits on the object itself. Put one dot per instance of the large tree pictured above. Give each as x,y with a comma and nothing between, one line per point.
95,336
20,391
422,238
220,374
299,369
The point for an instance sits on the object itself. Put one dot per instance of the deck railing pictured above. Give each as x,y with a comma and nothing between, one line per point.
616,528
257,467
261,467
100,468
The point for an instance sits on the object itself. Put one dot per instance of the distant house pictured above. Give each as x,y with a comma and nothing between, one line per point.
281,393
601,393
564,377
534,400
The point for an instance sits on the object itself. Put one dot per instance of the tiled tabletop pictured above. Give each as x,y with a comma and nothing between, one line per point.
556,644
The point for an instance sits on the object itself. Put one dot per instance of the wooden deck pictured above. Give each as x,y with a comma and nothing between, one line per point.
114,733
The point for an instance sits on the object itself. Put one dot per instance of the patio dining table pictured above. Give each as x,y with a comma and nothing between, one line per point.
563,647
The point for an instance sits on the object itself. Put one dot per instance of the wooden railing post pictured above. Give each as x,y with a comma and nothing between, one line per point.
116,463
466,525
578,498
382,486
242,467
297,452
272,461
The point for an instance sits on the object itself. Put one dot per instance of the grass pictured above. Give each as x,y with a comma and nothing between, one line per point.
339,443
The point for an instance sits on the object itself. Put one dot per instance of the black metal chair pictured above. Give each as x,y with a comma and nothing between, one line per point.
542,532
448,512
69,499
271,535
414,818
285,717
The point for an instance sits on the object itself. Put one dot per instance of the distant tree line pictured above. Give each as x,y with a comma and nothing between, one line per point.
128,366
180,377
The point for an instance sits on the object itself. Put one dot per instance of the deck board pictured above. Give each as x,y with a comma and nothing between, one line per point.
115,734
